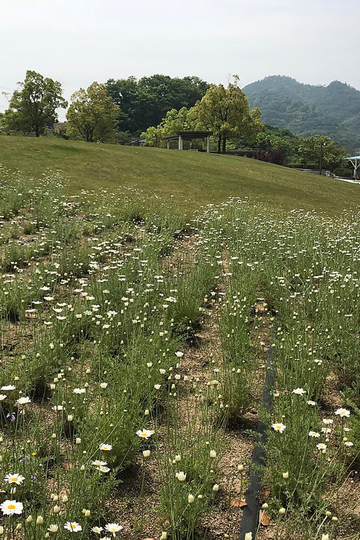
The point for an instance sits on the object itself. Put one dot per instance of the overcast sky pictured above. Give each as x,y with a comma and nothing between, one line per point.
80,41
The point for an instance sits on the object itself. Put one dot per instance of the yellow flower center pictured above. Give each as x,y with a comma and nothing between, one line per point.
11,507
13,479
73,526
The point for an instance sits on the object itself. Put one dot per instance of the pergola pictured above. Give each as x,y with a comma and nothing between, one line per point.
189,136
355,162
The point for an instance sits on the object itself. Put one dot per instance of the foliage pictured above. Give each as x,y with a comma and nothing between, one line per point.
174,122
102,385
274,156
34,105
223,111
320,151
145,102
92,115
306,110
226,112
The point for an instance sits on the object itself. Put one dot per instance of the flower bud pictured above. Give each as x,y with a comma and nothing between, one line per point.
216,488
181,476
39,520
282,511
191,498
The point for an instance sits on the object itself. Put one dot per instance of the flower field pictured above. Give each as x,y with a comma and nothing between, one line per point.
133,358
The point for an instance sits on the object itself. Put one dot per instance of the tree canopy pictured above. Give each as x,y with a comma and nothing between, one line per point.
92,114
321,152
225,111
34,105
145,102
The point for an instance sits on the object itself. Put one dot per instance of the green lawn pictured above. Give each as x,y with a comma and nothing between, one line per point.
187,179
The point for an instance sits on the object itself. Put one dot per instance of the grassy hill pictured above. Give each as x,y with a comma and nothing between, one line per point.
186,179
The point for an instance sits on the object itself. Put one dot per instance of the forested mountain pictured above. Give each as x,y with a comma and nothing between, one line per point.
332,110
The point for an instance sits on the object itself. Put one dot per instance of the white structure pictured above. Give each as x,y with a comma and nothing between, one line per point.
355,162
189,136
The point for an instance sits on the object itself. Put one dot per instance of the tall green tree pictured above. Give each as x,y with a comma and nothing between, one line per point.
145,102
174,122
320,152
92,114
34,104
225,111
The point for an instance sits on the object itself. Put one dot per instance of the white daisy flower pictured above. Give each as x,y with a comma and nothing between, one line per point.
23,400
144,433
9,508
299,391
343,413
105,447
72,526
278,427
113,528
14,479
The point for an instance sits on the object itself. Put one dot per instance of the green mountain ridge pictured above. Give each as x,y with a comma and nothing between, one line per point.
306,109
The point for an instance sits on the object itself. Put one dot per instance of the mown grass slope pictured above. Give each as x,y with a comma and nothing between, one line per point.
187,179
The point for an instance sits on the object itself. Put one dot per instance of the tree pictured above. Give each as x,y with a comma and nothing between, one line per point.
34,105
321,152
92,114
146,101
226,112
174,122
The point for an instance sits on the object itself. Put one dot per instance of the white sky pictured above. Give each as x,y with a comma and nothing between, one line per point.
79,41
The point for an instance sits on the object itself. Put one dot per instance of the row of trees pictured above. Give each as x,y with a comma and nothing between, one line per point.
96,114
224,111
283,147
121,109
91,116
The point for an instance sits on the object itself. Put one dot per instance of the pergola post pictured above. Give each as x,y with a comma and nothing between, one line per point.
180,143
168,144
208,144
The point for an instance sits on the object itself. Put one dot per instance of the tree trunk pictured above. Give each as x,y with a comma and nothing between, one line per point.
224,145
37,133
219,144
